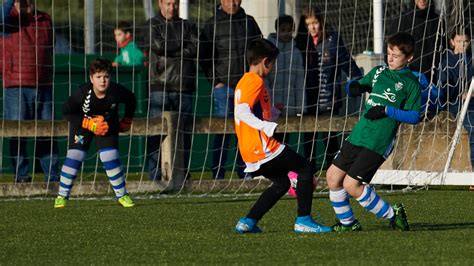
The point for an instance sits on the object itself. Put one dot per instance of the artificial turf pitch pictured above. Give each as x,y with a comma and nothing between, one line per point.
186,230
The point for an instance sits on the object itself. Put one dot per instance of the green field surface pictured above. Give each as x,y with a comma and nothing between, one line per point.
199,230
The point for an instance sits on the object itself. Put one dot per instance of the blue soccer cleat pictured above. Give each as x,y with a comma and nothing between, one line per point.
247,225
306,224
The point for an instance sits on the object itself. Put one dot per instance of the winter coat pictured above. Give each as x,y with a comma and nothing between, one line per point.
286,81
26,60
323,65
454,76
423,26
172,50
224,41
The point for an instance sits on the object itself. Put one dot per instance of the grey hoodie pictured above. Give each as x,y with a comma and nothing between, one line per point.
286,81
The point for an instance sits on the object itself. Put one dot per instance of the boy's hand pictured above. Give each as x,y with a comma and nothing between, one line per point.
125,124
96,125
280,106
376,112
357,89
269,128
275,114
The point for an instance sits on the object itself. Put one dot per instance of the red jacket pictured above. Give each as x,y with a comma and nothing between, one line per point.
26,51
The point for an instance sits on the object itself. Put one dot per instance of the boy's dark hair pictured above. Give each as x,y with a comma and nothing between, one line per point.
404,41
100,65
284,19
459,30
260,49
124,26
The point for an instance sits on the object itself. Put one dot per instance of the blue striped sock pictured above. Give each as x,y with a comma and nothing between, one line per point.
372,202
113,168
342,207
71,166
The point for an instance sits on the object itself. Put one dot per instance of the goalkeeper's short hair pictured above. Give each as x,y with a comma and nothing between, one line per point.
100,65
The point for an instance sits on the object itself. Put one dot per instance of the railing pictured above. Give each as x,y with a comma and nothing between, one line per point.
172,165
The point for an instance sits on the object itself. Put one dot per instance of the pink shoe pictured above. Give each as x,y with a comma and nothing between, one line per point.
293,176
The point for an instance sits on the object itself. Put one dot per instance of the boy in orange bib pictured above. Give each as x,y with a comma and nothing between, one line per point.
262,154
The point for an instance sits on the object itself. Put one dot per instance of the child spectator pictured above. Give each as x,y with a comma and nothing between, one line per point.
130,54
92,112
286,81
394,97
325,58
454,78
262,154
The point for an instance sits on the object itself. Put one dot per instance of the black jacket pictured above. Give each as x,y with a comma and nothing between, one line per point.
172,49
323,66
423,25
225,59
83,103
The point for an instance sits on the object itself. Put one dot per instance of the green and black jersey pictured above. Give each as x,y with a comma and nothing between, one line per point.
396,88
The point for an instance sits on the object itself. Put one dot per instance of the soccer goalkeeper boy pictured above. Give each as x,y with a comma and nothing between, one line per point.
93,113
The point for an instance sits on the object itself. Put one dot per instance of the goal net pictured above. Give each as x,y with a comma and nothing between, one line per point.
182,137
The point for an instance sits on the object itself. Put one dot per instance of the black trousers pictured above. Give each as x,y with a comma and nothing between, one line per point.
277,171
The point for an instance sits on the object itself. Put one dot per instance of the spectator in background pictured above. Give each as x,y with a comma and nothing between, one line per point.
422,23
224,41
455,76
286,81
172,72
325,57
61,44
26,63
130,54
5,12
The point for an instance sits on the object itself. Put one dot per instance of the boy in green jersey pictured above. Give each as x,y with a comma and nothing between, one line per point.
393,97
130,54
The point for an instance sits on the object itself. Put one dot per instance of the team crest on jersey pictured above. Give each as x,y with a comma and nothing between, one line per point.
398,86
113,106
79,139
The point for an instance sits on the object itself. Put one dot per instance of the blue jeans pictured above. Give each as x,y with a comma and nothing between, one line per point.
159,102
223,106
30,104
468,124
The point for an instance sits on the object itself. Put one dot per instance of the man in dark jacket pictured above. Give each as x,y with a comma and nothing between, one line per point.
26,64
224,41
423,24
171,45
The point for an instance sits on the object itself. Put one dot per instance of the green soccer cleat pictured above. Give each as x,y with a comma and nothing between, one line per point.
126,201
60,202
400,219
338,227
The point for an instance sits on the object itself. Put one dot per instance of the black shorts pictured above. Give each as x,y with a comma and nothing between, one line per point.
81,139
288,160
358,162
